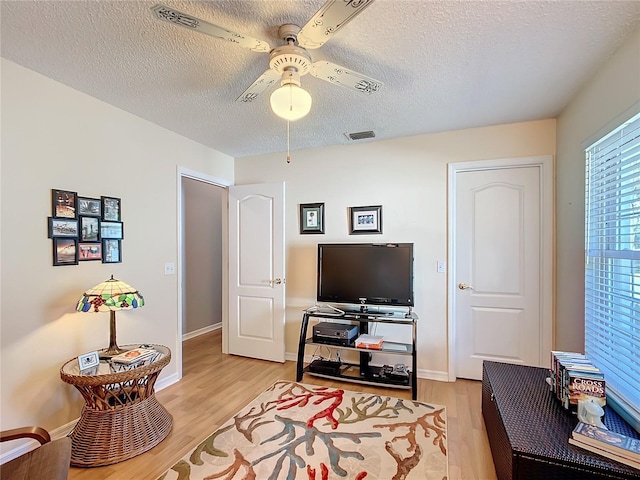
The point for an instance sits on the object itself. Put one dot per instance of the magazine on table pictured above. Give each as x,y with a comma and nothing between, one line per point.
133,356
607,441
611,456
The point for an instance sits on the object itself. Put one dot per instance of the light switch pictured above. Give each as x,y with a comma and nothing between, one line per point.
442,267
169,268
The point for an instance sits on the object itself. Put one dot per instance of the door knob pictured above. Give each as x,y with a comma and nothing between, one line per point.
277,281
464,286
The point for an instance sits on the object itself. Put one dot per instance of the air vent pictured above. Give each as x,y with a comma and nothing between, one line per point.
360,135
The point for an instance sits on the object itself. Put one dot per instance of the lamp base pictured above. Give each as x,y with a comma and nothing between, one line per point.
113,348
110,352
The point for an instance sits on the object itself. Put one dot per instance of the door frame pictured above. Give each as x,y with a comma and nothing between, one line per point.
545,165
218,182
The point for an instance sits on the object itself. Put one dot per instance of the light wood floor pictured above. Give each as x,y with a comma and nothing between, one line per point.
215,386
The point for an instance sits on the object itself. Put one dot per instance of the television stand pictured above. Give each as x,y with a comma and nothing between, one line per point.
363,372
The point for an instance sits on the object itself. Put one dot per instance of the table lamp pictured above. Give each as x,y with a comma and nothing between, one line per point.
110,295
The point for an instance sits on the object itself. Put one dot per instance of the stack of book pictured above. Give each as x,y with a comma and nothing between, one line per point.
135,356
572,377
609,444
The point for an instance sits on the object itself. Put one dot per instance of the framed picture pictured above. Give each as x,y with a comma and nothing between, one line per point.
88,360
110,209
312,218
365,220
63,227
89,207
113,230
89,251
89,229
64,203
65,251
111,251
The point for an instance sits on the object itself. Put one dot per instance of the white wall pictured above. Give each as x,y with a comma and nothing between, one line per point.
408,177
611,96
56,137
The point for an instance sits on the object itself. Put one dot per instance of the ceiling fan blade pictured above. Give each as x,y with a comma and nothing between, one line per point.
264,81
343,76
333,15
170,15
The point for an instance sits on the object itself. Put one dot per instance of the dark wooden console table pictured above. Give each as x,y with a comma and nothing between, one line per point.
528,429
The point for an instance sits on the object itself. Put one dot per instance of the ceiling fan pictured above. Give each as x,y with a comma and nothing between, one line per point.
290,61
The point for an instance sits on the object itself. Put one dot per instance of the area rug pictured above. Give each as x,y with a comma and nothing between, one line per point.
299,431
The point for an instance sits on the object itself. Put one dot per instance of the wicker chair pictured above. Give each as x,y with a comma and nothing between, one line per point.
49,461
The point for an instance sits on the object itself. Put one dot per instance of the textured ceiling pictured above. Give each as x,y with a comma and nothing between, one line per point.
445,65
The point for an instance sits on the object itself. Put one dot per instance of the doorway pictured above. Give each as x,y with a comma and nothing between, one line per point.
202,232
500,257
202,272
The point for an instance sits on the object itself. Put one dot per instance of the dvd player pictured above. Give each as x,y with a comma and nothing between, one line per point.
327,367
335,333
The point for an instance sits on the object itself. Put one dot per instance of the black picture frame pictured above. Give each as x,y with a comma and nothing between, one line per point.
63,227
111,209
65,251
312,218
64,204
89,251
89,229
89,207
365,220
111,251
111,230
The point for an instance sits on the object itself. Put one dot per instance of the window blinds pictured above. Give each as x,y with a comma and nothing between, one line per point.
612,271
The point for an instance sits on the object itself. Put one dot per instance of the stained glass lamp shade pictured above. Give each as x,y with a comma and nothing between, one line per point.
110,295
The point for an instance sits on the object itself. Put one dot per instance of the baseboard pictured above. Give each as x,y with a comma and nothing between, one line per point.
201,331
166,381
64,430
433,375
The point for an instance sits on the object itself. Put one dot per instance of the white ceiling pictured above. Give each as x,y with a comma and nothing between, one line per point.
445,65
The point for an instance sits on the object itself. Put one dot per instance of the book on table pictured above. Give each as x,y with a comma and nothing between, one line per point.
572,377
611,456
584,384
133,356
607,443
557,358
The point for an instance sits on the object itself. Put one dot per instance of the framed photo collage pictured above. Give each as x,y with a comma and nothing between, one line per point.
85,229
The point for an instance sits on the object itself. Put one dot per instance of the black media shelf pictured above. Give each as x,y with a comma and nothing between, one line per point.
364,373
391,348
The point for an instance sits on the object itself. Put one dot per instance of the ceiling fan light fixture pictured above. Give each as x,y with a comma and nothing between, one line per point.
290,101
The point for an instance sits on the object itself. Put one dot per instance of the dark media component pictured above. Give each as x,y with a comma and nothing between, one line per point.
366,274
335,333
326,367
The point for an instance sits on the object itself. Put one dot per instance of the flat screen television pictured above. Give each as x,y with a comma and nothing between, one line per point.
366,273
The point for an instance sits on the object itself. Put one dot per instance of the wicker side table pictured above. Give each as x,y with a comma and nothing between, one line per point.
121,417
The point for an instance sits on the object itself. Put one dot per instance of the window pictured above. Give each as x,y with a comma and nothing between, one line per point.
612,271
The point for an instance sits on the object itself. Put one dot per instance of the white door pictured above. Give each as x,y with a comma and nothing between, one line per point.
256,271
499,253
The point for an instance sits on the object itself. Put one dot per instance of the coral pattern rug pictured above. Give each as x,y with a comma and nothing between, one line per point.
299,431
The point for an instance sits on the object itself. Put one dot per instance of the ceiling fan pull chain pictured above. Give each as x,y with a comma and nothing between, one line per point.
288,153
